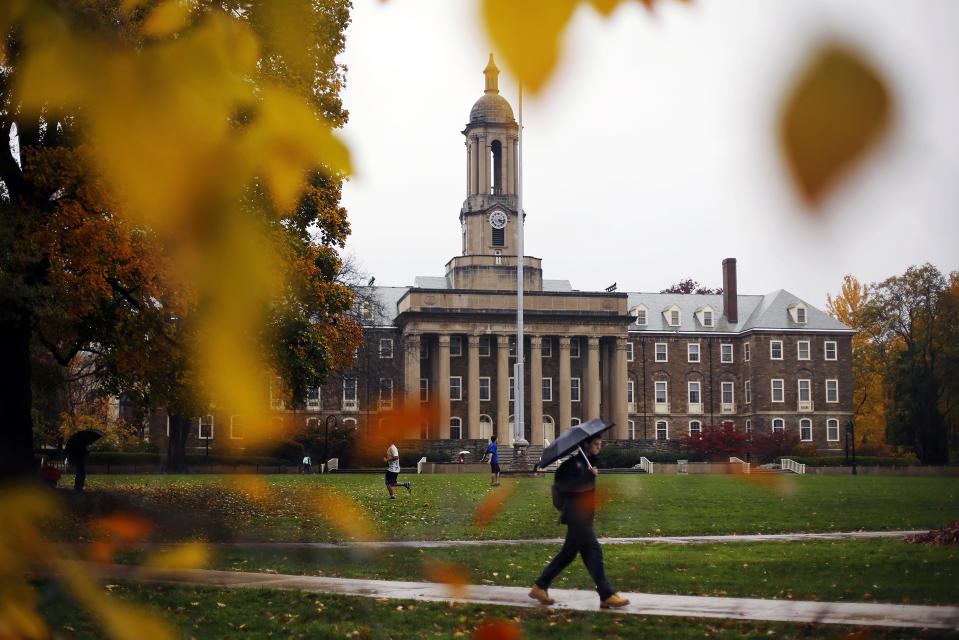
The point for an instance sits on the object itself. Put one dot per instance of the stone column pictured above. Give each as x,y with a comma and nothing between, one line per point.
411,369
605,362
502,390
565,406
443,386
591,385
619,413
473,388
536,390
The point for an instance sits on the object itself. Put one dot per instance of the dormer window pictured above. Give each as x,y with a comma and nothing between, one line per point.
706,316
640,315
798,313
673,316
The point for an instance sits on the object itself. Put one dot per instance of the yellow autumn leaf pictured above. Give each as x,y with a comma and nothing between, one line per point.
183,556
287,27
835,113
346,516
18,613
166,18
528,35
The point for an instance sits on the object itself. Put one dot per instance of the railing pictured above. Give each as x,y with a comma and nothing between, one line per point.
645,464
745,464
792,465
419,465
727,407
332,464
682,466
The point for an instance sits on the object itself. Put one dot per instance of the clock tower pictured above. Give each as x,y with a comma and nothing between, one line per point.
489,214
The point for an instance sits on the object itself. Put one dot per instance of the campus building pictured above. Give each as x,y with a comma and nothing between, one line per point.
658,365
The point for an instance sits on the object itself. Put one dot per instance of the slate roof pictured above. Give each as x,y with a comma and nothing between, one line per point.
770,311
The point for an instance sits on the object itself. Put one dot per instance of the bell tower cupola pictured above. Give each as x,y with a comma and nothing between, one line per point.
489,213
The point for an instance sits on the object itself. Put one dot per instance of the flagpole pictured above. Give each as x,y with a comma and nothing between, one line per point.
519,426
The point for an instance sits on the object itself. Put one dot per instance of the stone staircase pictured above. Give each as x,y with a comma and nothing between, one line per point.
533,454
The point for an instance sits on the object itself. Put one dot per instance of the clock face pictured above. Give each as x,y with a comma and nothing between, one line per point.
497,219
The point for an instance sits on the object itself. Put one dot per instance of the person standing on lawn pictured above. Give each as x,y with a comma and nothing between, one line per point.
576,483
393,471
493,457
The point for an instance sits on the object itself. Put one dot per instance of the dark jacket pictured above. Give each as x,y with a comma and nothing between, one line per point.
577,485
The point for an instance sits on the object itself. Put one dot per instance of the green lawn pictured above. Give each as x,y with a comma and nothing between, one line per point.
443,506
284,508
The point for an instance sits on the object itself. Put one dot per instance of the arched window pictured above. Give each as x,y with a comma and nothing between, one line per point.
695,426
574,421
456,428
805,429
662,430
549,428
496,153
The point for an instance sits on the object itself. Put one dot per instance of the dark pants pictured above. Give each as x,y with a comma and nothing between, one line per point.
581,539
80,476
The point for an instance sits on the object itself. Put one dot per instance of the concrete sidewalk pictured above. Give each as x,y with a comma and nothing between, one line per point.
848,613
437,544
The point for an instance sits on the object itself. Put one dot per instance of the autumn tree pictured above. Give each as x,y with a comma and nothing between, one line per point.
153,165
916,329
690,286
870,395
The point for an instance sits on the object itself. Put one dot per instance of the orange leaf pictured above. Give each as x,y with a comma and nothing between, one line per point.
125,527
498,630
455,577
837,111
492,504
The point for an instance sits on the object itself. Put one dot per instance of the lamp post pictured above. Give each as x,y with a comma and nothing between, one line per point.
326,437
851,443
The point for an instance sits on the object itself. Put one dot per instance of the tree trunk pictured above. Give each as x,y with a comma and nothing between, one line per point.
16,397
176,443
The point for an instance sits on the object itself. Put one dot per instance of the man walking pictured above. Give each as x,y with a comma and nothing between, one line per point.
493,461
393,471
576,483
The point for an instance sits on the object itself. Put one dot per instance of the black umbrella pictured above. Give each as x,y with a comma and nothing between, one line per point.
571,439
82,439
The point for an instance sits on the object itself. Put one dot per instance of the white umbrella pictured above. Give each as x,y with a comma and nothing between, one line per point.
463,453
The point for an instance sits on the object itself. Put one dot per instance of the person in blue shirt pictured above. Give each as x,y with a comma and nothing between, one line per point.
493,461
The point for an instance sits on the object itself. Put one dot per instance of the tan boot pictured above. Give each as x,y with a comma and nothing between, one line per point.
613,601
536,593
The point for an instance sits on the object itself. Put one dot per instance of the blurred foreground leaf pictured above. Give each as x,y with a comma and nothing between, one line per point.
834,114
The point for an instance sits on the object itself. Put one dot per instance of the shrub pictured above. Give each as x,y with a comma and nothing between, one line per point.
716,442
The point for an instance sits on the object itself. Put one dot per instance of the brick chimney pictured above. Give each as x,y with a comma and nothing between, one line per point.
730,300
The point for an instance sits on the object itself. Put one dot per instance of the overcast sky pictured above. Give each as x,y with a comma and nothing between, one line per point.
652,154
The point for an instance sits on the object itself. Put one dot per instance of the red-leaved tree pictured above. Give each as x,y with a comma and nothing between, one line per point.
717,441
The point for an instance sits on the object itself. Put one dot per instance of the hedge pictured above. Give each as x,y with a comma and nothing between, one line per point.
142,458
